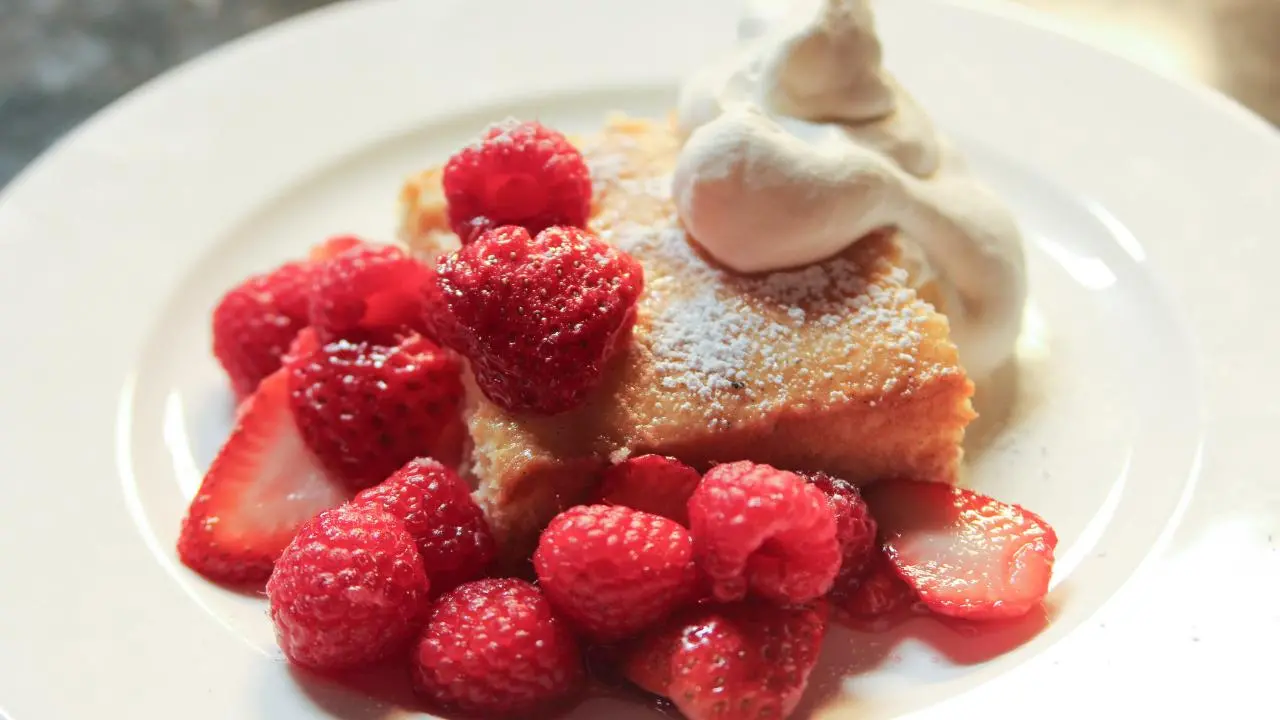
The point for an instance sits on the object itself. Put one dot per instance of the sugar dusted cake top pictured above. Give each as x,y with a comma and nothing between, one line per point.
721,362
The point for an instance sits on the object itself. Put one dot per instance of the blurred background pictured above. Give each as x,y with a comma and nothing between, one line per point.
61,60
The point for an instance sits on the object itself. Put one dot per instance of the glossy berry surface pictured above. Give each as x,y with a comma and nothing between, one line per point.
517,173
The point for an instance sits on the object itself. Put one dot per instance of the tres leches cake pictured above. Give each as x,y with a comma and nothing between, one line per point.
687,390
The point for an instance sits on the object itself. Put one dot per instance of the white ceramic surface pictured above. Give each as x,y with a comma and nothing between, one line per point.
1138,420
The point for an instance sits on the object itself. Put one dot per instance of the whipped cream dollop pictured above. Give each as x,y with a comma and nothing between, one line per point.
798,143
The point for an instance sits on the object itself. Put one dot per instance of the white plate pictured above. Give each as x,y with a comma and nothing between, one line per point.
1142,422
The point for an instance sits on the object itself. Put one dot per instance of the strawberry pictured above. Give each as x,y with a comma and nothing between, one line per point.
743,661
366,409
262,486
652,483
967,555
255,321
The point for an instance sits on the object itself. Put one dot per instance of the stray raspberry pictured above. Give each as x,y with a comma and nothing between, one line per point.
855,528
759,528
366,409
652,483
255,322
349,590
614,571
519,173
743,661
437,509
494,647
540,317
369,292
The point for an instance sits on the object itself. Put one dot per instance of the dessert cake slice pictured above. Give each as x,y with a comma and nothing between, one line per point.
839,366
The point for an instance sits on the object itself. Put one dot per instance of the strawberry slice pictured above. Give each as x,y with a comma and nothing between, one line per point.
965,554
263,484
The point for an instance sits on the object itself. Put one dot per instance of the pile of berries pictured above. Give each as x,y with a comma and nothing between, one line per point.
712,589
722,613
350,363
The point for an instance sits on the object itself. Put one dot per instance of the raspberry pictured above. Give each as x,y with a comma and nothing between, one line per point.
366,409
519,173
348,590
368,292
731,662
614,571
761,528
255,321
652,483
539,318
436,507
879,592
493,647
855,528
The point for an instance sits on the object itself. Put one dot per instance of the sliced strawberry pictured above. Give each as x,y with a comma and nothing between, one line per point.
262,486
965,554
879,591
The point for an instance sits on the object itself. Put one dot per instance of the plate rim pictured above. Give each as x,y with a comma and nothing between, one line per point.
16,213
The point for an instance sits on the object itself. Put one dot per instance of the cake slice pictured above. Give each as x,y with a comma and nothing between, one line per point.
839,366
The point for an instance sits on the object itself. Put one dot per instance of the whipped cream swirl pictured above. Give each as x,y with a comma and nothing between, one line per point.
799,143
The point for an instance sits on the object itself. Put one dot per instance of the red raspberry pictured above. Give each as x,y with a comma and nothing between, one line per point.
519,173
436,507
879,592
538,318
614,571
369,292
348,590
493,647
255,321
731,662
767,529
652,483
365,409
855,528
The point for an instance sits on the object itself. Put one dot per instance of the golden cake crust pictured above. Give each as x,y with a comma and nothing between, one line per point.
838,366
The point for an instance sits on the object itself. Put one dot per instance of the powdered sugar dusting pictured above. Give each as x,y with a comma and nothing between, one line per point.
725,345
718,338
496,134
